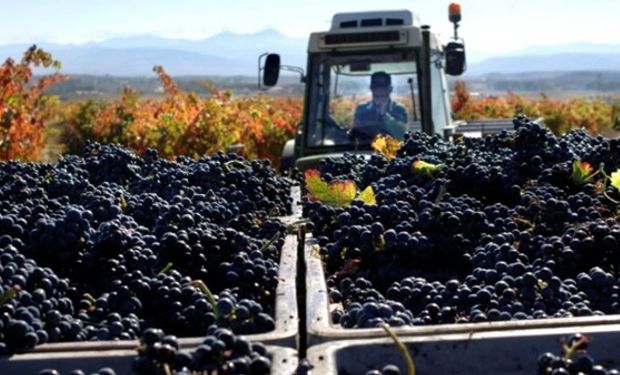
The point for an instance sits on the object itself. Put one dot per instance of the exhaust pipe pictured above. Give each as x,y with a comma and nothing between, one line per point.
425,98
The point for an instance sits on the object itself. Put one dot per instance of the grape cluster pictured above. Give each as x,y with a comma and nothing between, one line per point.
102,371
386,370
574,359
107,245
221,352
502,231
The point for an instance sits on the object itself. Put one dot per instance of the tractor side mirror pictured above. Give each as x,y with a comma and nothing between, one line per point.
271,71
455,58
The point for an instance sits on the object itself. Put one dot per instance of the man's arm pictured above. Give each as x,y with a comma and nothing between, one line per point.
395,120
361,117
400,113
357,116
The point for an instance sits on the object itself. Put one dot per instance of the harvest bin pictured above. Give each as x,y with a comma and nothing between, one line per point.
320,328
286,314
286,318
284,361
499,352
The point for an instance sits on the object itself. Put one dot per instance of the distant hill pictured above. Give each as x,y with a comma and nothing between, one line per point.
222,54
570,82
139,61
559,62
577,47
229,53
243,47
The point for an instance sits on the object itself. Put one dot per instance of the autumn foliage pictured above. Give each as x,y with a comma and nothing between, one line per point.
24,109
595,115
182,123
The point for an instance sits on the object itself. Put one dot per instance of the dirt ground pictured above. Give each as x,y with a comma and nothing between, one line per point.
54,146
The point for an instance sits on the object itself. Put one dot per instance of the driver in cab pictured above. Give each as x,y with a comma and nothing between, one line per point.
381,114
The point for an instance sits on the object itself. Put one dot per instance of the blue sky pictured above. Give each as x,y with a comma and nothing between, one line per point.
489,26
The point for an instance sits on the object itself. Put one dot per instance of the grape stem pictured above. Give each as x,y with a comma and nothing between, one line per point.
570,350
606,178
442,191
167,268
123,201
270,242
89,297
402,348
204,289
610,198
294,226
234,163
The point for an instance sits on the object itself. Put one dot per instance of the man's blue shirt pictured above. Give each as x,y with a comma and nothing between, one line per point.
369,118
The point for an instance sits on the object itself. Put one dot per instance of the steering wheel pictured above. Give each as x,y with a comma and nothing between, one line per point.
368,133
332,130
329,122
362,133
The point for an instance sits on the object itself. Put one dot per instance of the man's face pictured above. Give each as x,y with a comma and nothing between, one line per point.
381,95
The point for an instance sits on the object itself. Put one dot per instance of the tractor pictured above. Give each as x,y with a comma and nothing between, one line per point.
341,64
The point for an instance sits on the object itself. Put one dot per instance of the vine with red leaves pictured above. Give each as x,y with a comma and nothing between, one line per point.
595,115
24,108
183,123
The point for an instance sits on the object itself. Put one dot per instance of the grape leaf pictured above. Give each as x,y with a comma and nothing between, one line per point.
314,183
368,196
336,193
350,267
581,172
386,146
615,179
341,193
426,169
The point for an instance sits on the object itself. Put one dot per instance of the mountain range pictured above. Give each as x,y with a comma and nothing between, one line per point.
553,62
222,54
229,53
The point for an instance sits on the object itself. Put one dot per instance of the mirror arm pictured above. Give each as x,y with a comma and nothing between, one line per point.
295,69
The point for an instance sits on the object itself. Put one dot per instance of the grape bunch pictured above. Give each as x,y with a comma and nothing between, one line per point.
220,352
502,228
109,244
386,370
102,371
574,359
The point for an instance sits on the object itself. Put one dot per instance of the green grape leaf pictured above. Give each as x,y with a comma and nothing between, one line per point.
336,193
368,196
615,179
425,169
386,146
314,183
581,172
9,294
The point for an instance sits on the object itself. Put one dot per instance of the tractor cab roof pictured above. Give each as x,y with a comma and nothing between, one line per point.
370,31
386,18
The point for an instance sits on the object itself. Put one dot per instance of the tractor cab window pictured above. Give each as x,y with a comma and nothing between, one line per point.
355,97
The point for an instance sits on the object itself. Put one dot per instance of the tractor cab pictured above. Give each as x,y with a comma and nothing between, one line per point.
371,73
